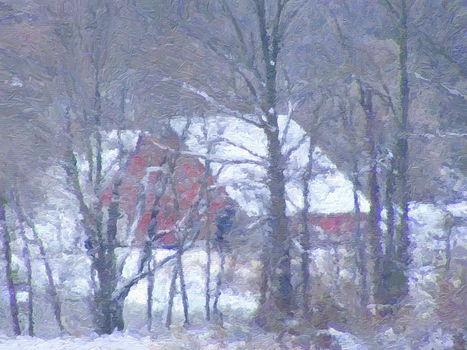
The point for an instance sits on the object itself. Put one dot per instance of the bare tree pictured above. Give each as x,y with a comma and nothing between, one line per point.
26,255
6,245
254,54
374,219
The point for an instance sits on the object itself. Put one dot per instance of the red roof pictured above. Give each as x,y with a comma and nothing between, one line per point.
144,169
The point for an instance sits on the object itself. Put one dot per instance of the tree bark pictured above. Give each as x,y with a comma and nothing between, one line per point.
150,294
264,278
449,224
360,246
390,216
403,242
374,216
305,235
279,264
172,290
8,270
27,261
205,190
207,287
181,276
220,276
26,255
108,310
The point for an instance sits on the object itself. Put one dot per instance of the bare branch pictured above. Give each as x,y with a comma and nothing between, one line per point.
224,140
236,26
212,158
222,108
296,147
291,109
285,25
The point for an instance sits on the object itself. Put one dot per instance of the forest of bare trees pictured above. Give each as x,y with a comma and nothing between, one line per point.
296,168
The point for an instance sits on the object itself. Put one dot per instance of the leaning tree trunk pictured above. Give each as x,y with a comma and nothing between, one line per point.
8,273
52,289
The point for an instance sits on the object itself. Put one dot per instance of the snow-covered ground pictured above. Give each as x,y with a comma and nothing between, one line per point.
230,338
113,342
238,300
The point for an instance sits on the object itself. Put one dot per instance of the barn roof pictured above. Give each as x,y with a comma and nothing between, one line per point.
144,171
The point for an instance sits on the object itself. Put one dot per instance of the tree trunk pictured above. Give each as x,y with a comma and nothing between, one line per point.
305,236
360,246
26,254
336,263
375,234
264,279
103,300
390,216
220,276
52,290
160,189
449,224
108,310
27,261
181,277
8,273
280,293
374,216
207,288
402,241
117,315
204,189
150,294
280,268
172,290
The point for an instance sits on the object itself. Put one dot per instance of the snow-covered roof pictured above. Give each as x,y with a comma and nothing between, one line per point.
236,140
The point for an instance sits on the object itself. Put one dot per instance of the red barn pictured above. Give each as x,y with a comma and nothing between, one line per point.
144,170
142,173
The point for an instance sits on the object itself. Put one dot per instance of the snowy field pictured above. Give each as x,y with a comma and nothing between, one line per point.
177,340
232,338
